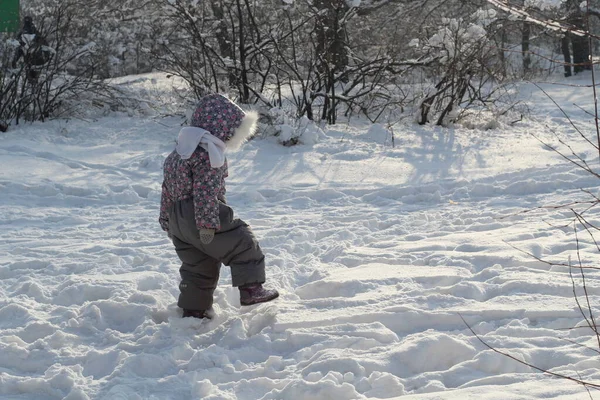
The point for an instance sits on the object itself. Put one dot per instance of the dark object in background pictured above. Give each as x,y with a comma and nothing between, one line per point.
9,16
37,54
3,126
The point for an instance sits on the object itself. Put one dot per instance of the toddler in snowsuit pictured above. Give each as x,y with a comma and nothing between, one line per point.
196,216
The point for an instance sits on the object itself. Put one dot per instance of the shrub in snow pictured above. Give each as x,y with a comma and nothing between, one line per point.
63,81
379,134
289,131
466,68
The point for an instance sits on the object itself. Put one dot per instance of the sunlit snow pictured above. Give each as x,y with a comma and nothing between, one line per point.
377,252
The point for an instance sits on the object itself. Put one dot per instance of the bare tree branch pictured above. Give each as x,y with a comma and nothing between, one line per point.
506,354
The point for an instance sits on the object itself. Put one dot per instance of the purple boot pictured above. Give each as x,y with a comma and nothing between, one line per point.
254,293
200,314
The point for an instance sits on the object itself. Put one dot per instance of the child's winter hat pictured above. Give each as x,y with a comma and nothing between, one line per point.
224,120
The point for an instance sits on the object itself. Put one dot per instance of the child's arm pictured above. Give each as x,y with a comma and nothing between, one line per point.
165,206
221,195
208,184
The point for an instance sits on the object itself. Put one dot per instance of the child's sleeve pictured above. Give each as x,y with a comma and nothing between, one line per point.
223,191
165,206
208,184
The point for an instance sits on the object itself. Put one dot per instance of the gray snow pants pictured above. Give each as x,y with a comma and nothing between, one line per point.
233,245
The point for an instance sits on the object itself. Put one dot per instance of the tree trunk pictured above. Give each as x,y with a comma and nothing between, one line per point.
580,44
581,53
525,37
331,34
501,48
564,45
224,41
244,89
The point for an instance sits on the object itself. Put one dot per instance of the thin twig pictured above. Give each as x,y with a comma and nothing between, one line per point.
587,225
591,322
584,166
557,207
563,112
591,57
552,264
584,110
586,388
576,297
582,345
554,374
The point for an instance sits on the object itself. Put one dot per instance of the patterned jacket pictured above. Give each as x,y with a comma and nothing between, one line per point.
194,177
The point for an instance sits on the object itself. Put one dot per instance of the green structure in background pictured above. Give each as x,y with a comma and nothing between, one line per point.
9,15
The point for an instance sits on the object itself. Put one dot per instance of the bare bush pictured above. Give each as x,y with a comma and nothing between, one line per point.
272,53
60,85
584,213
465,65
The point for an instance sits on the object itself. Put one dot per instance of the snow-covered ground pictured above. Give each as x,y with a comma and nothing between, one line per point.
378,253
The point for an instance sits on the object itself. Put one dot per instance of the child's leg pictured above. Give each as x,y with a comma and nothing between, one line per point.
242,253
236,246
199,277
240,250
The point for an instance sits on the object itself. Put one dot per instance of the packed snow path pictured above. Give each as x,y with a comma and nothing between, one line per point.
377,251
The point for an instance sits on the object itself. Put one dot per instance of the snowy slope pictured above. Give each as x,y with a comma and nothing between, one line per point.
377,251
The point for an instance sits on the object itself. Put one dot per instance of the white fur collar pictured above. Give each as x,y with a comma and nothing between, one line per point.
244,131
